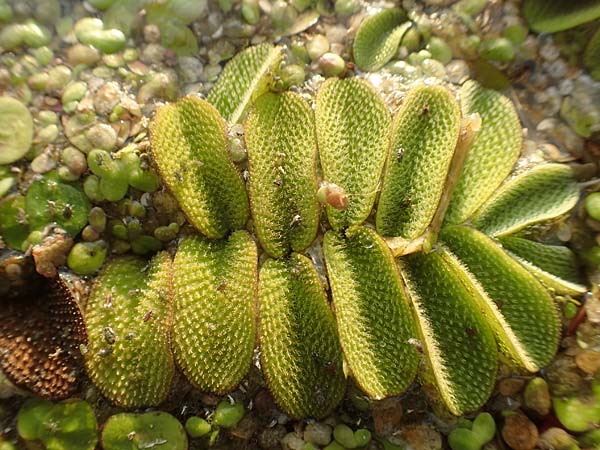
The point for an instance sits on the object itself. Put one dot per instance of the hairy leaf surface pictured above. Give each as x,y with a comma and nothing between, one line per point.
282,151
542,193
353,138
554,265
246,77
189,145
424,136
458,343
518,307
214,307
550,16
493,154
372,311
301,355
377,39
128,320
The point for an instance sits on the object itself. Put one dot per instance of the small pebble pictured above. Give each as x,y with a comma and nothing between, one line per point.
387,415
519,432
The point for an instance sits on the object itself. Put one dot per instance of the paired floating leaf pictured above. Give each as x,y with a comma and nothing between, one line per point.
282,151
301,355
189,144
128,319
492,155
542,193
550,16
554,265
458,343
519,308
424,135
246,77
213,323
377,39
353,137
373,316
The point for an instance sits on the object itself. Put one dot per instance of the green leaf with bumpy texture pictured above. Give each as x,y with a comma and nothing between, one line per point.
493,154
424,136
373,316
353,138
518,307
377,39
591,56
282,151
554,265
214,310
550,16
246,77
458,343
301,355
189,145
542,193
128,320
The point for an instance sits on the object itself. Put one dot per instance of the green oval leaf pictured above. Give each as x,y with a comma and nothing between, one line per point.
372,312
301,355
377,39
128,320
542,193
213,323
189,145
494,152
554,265
49,201
519,309
282,151
550,16
353,138
245,78
154,429
17,130
457,341
424,136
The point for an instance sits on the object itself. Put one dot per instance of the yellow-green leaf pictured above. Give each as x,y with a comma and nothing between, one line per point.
377,39
128,322
246,77
424,136
493,154
301,355
457,341
189,145
518,307
542,193
282,151
353,138
554,265
372,312
214,296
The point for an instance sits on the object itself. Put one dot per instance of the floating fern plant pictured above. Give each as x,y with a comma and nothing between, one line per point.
425,273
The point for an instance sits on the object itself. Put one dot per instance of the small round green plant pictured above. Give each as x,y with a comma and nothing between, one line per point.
68,425
136,431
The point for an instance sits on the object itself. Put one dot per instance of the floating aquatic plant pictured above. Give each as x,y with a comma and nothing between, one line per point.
415,294
134,431
67,425
550,16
